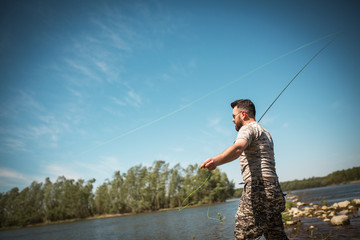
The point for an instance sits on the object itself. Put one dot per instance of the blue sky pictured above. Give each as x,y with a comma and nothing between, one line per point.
90,87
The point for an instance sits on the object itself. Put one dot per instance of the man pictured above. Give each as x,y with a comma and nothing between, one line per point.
262,201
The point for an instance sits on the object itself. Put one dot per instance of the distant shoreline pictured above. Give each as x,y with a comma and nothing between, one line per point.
335,178
69,221
330,185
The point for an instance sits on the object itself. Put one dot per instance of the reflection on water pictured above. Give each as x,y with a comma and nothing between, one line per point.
190,223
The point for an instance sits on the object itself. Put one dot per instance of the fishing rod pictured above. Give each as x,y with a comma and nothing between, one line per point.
297,74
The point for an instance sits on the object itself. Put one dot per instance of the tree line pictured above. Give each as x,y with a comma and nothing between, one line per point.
139,189
338,177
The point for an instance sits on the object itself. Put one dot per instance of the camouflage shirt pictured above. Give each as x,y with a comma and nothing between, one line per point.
257,160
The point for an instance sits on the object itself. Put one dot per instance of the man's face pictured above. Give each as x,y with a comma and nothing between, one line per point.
237,114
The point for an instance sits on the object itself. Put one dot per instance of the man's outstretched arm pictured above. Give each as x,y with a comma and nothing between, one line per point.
230,154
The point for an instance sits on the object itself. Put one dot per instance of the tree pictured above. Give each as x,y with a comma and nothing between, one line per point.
140,189
11,209
117,194
102,199
174,186
32,207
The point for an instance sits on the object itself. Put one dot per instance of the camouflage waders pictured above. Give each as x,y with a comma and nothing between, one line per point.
259,211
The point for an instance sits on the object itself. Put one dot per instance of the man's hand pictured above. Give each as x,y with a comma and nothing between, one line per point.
230,154
209,164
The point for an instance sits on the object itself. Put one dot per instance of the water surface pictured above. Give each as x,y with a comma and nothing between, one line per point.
190,223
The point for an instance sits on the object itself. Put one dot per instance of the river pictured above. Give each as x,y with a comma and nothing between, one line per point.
190,223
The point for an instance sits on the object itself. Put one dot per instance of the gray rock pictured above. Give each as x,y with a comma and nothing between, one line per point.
344,204
335,206
340,220
356,201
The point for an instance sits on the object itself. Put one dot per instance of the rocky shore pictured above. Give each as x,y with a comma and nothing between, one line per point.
312,221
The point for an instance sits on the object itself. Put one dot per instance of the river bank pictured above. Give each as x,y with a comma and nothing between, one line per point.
68,221
314,228
341,220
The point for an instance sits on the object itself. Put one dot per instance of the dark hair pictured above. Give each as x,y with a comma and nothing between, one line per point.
245,104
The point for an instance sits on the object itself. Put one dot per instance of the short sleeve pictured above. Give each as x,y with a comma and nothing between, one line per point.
246,132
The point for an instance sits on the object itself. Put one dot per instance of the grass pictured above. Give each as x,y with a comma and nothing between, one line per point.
321,237
289,205
285,217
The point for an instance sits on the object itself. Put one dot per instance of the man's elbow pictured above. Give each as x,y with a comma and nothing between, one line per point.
240,146
238,152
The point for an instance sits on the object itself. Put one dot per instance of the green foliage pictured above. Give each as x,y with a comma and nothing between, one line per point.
64,199
324,202
238,192
285,217
140,189
338,177
314,236
289,205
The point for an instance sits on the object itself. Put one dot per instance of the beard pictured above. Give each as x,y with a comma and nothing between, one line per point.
238,126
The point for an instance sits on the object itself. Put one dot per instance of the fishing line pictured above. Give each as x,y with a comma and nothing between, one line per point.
220,218
207,214
194,192
207,94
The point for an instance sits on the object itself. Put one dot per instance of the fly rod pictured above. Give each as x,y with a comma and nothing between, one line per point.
297,74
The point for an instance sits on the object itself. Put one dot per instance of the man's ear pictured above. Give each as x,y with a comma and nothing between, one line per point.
243,116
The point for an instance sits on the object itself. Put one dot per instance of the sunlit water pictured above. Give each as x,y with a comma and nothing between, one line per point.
190,223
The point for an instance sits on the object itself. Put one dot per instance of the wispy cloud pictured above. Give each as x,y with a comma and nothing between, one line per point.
29,100
268,119
39,131
103,66
98,54
114,111
103,168
15,144
113,37
84,70
56,170
20,102
7,173
215,124
75,92
49,127
177,149
45,131
10,178
131,98
118,102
